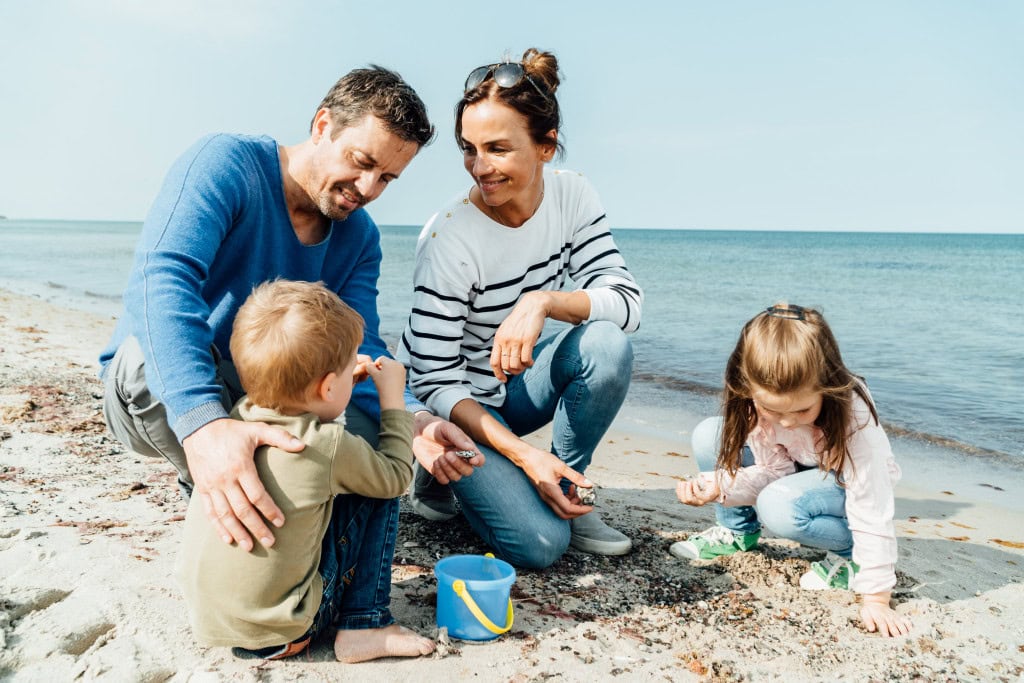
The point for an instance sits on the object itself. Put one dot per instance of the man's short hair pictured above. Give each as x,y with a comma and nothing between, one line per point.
383,94
288,335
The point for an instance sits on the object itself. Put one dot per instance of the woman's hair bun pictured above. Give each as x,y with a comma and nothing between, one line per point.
542,66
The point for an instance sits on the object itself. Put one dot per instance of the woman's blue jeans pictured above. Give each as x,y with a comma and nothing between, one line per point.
577,382
808,507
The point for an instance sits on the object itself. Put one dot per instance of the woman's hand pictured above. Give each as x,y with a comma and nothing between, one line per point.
546,471
698,491
517,335
876,615
434,444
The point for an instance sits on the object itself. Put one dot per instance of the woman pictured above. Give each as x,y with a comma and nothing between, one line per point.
490,270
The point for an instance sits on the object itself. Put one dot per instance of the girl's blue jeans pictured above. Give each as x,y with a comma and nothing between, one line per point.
578,381
808,507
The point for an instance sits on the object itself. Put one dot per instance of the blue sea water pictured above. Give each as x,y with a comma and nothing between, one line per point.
934,322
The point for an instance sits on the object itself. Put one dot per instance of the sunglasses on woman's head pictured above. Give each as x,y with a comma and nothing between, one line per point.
506,75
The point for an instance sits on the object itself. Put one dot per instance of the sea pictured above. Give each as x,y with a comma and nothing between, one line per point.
933,322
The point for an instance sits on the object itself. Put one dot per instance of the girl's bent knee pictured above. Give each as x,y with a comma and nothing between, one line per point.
779,513
704,442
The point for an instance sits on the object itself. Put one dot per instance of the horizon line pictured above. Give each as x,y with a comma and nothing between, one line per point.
414,226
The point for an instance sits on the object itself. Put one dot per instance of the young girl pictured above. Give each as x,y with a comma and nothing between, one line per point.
800,449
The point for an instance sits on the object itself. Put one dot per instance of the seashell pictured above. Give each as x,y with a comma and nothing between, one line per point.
588,496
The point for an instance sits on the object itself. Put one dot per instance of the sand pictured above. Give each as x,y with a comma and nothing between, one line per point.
89,532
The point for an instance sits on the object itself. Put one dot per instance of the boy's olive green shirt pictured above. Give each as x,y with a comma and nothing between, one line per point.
269,596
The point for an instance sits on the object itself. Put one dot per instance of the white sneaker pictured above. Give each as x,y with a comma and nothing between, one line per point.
591,535
430,499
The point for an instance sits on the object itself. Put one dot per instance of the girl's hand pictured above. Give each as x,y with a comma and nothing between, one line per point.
698,491
878,616
517,335
546,472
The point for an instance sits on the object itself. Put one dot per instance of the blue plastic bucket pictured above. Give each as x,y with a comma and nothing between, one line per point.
473,596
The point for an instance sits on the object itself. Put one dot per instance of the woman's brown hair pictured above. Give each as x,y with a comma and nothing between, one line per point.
535,101
787,349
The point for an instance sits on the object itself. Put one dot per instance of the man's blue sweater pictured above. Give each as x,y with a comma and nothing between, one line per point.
218,227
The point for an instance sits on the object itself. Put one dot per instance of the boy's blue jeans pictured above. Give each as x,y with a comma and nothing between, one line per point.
577,383
808,507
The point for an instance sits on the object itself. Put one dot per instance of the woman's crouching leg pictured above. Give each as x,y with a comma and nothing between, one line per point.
504,508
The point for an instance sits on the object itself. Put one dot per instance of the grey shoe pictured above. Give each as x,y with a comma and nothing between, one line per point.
591,535
430,499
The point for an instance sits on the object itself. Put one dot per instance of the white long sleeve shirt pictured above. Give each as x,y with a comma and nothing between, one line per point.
471,271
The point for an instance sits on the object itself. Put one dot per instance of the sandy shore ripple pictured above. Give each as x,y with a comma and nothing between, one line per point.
89,532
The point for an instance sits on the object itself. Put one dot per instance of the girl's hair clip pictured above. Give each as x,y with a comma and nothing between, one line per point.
788,312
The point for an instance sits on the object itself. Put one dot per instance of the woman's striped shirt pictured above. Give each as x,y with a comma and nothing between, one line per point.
470,271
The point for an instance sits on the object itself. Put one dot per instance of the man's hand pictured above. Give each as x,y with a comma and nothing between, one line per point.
220,460
434,444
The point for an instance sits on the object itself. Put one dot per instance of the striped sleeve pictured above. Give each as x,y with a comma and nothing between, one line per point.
432,345
597,268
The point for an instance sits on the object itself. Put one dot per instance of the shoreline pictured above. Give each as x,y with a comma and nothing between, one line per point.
649,392
89,533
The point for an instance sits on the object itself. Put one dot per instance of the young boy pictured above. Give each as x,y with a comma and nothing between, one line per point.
294,346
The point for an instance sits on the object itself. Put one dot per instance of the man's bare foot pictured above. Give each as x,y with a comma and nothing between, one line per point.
361,645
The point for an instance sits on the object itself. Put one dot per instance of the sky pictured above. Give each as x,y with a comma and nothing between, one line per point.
881,116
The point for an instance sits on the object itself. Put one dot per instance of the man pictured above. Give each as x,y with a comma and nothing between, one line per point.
235,211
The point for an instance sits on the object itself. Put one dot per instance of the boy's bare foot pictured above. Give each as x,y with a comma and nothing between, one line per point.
361,645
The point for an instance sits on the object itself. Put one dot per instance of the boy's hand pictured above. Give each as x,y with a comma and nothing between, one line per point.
360,373
389,376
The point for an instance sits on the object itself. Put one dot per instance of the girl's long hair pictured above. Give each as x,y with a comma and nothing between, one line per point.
787,349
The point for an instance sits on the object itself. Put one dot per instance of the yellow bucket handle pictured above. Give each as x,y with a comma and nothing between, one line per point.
459,586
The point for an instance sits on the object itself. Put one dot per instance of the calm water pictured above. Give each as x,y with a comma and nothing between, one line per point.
934,322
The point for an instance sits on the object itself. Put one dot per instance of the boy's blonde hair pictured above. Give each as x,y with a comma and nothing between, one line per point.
288,335
786,349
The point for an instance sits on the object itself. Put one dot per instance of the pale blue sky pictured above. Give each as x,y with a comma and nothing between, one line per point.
717,115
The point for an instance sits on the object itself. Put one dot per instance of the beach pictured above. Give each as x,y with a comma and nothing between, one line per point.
89,535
